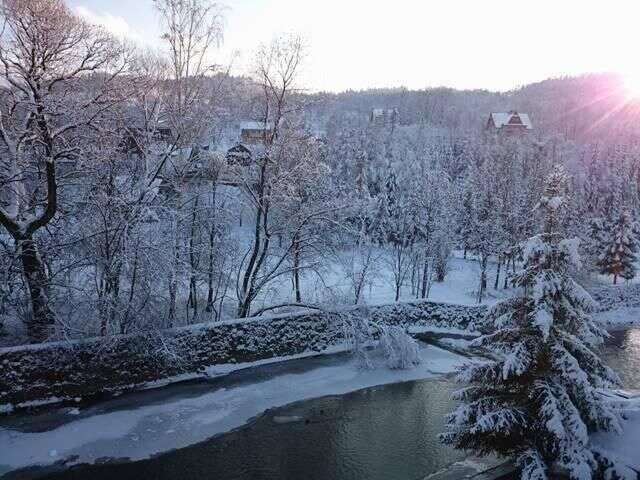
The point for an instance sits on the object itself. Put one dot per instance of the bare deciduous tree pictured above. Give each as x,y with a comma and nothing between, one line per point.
46,53
276,69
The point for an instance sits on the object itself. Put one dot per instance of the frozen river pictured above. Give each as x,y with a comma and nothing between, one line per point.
377,433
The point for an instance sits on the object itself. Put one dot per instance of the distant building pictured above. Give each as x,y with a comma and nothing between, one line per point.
383,117
510,123
239,155
253,133
251,143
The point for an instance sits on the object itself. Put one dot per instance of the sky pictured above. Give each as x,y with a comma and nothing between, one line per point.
357,44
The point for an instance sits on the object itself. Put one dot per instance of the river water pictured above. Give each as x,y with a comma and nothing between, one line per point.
387,432
622,353
381,433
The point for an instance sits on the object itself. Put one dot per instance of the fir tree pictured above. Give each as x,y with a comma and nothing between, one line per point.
596,241
466,217
538,400
619,253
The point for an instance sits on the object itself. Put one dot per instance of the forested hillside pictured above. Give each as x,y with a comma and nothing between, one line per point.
126,208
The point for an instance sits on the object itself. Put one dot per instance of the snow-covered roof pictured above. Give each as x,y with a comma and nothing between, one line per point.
240,149
251,125
500,119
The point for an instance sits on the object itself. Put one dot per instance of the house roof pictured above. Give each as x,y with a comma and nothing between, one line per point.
500,119
241,149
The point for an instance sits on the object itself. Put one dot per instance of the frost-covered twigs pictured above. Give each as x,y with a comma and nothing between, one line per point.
359,336
370,341
400,350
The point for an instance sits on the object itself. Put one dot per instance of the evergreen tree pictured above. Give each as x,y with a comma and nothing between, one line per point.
385,228
596,241
485,234
538,400
466,215
620,250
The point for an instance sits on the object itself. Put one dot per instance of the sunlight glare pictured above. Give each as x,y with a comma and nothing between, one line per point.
632,84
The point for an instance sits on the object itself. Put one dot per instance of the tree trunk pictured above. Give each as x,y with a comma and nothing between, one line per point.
173,285
259,250
483,277
296,270
38,283
193,263
212,242
209,308
506,273
244,308
414,273
426,272
173,275
497,282
356,292
32,265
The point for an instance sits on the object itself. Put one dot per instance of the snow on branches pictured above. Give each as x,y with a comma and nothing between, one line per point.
619,250
538,399
370,341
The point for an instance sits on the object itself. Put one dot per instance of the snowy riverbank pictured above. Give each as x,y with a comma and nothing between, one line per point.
157,421
625,446
140,430
619,318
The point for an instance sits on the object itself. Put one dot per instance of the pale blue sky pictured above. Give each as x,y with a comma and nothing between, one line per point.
494,44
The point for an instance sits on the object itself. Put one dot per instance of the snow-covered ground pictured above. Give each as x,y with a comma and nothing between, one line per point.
332,286
328,282
139,431
620,318
627,445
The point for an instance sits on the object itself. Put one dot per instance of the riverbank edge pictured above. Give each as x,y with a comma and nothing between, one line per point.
66,372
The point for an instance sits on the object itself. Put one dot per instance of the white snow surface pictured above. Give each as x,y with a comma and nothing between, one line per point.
138,433
625,446
618,319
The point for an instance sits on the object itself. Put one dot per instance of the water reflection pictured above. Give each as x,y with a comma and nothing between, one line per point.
622,353
378,433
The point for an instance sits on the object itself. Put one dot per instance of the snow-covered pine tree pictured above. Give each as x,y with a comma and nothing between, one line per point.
383,225
538,401
595,240
619,253
466,214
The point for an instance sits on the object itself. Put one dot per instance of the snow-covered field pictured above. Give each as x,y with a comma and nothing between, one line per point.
332,286
139,431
